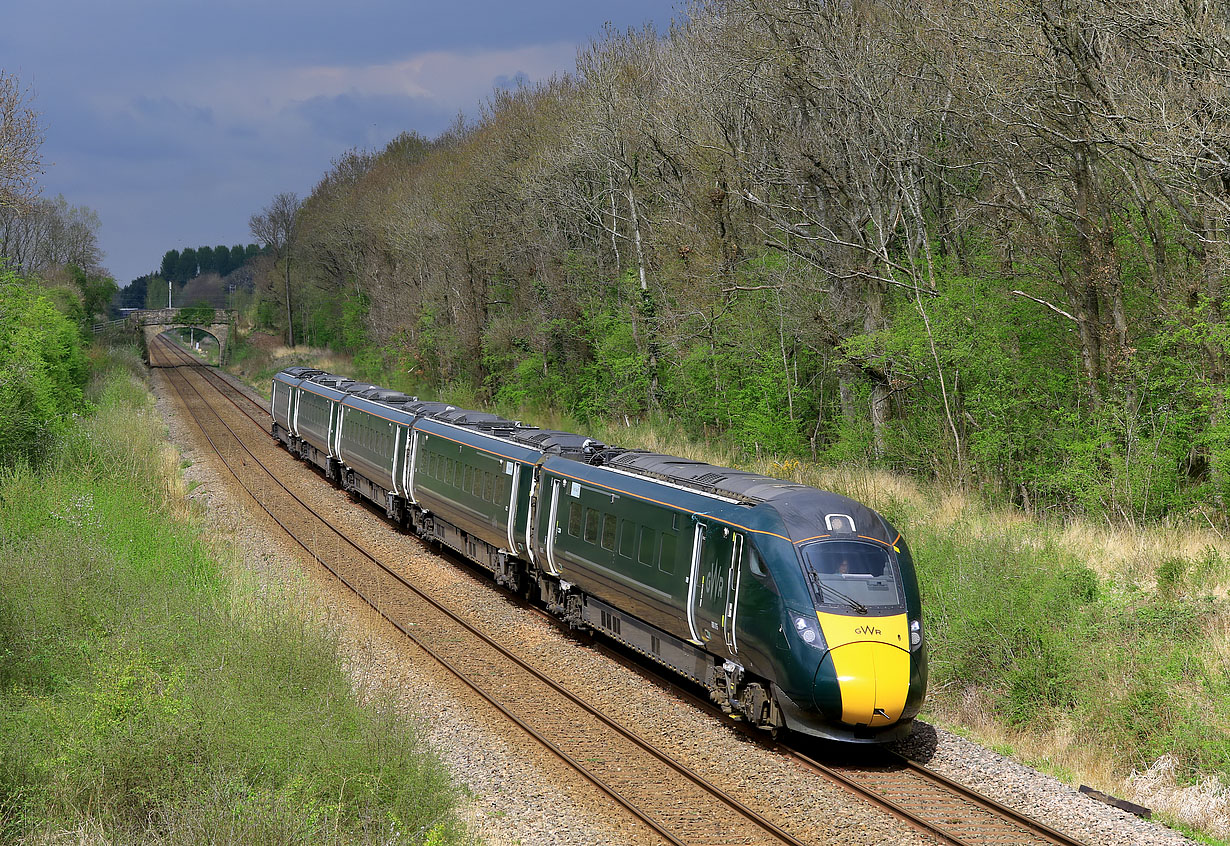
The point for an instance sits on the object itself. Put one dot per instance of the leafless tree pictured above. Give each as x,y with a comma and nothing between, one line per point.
45,234
21,135
277,227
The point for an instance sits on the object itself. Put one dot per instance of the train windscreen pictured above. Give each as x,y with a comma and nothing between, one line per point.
851,574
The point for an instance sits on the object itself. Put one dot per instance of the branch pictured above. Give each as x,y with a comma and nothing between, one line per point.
1053,308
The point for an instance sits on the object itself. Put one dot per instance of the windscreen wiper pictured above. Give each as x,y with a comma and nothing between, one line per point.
821,589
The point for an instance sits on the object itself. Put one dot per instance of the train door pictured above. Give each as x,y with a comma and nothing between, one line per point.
410,463
292,411
553,527
713,586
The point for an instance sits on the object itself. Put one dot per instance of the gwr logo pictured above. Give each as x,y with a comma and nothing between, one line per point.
867,630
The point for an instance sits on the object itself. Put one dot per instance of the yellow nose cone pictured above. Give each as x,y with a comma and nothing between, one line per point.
872,660
874,679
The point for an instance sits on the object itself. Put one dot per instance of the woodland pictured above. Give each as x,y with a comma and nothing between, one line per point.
979,242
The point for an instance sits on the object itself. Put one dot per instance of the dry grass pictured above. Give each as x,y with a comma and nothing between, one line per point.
1134,551
1204,805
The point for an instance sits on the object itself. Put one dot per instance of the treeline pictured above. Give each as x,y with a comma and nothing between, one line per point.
982,242
206,275
180,266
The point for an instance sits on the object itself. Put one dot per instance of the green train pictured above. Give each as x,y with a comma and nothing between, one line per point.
796,608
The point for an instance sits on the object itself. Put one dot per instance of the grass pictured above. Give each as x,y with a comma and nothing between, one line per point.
1097,652
150,694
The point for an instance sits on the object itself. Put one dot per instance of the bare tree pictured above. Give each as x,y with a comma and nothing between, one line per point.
45,234
277,228
21,135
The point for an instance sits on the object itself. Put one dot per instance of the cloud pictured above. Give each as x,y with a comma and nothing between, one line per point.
450,80
355,119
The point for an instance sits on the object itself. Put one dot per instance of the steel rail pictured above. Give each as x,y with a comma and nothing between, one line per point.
716,792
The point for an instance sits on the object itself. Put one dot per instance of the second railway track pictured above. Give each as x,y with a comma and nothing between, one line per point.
678,805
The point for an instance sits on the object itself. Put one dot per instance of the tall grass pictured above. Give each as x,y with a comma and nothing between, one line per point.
148,697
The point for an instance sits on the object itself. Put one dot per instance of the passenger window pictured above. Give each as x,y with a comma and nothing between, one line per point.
467,479
627,540
645,555
488,486
666,557
608,531
574,519
591,525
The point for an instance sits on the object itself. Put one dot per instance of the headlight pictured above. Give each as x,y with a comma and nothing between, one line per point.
808,628
915,634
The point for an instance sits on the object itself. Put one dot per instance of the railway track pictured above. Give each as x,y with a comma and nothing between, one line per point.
625,767
673,801
949,811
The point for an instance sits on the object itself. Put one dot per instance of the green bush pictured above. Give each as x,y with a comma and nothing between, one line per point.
42,371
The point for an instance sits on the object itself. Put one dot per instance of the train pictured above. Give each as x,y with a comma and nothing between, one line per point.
797,609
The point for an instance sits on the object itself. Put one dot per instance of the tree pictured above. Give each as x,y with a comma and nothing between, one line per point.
187,267
276,227
21,135
222,258
97,292
46,234
132,295
206,263
170,263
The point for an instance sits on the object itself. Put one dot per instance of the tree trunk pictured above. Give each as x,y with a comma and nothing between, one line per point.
290,320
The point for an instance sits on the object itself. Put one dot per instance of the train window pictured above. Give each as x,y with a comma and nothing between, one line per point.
753,561
627,539
450,471
467,479
608,531
591,525
574,519
645,553
488,486
666,556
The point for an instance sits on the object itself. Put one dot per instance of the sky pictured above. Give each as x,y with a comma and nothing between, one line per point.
175,121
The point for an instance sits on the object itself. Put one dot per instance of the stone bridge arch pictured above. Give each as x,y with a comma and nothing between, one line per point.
216,322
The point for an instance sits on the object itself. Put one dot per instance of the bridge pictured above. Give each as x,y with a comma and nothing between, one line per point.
217,322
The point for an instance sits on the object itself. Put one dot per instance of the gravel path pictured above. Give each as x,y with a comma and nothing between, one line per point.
520,795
